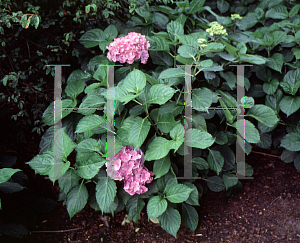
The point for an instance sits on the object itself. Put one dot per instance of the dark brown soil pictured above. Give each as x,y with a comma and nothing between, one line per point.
267,209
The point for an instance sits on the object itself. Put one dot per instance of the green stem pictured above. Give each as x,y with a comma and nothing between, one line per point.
138,102
179,95
130,67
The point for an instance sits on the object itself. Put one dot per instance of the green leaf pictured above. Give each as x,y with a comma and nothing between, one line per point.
160,18
230,180
278,37
190,217
255,59
289,104
247,22
213,47
251,133
265,140
221,138
164,182
196,6
297,162
177,132
263,114
171,107
198,139
200,163
66,143
223,6
156,206
228,155
88,164
277,12
291,82
106,190
90,122
42,163
100,75
160,94
288,156
215,183
178,193
176,144
193,198
76,199
90,104
73,89
291,141
230,78
68,180
175,28
229,117
270,88
215,161
166,123
92,38
91,87
230,49
187,51
111,32
172,73
296,52
202,98
6,173
161,58
276,62
10,187
48,116
157,149
158,43
170,221
161,167
134,207
135,81
138,132
294,10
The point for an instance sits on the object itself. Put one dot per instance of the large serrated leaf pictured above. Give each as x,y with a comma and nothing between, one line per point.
178,193
76,199
190,217
106,190
170,221
134,207
156,206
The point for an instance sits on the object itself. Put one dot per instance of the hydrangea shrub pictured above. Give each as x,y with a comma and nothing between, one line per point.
150,109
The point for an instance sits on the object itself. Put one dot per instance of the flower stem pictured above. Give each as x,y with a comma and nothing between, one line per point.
130,67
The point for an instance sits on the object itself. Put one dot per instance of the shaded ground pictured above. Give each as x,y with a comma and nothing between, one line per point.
266,210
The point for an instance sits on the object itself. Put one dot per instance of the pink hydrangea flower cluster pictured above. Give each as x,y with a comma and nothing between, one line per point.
128,164
132,47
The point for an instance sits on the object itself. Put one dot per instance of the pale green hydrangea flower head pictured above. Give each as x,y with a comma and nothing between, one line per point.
216,29
236,16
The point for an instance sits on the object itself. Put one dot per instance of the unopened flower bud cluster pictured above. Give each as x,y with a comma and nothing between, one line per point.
128,165
202,42
235,16
216,29
132,47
